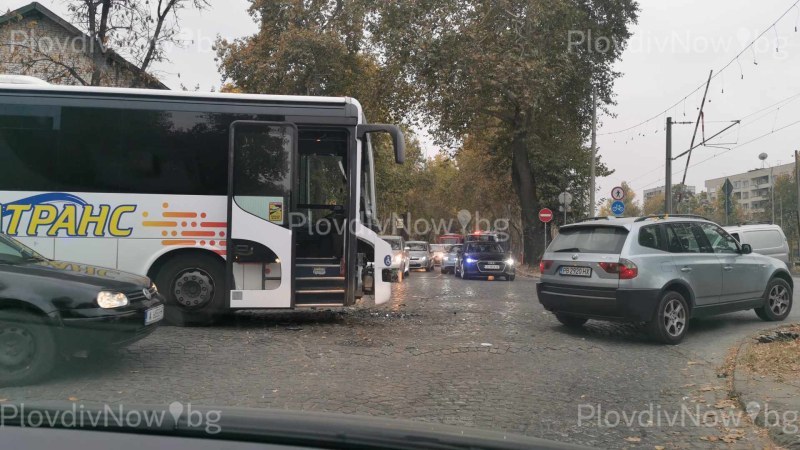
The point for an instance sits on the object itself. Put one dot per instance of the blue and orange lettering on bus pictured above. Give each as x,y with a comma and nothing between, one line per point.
75,218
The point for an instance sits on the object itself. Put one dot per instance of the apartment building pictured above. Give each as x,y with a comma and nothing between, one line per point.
656,191
751,189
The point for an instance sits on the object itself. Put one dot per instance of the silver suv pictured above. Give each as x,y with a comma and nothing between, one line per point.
662,270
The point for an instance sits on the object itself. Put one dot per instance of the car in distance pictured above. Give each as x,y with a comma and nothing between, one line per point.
52,308
481,236
400,264
485,259
450,239
661,270
420,255
438,252
449,258
765,239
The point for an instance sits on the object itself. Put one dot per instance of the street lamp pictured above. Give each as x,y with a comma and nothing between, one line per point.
763,157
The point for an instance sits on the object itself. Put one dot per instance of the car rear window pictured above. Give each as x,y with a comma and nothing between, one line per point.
589,239
763,238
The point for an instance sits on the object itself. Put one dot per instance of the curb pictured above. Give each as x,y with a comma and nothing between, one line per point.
771,405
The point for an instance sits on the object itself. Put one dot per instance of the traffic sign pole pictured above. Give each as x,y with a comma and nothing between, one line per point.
545,216
545,237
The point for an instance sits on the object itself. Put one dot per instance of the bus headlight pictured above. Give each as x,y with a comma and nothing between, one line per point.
108,299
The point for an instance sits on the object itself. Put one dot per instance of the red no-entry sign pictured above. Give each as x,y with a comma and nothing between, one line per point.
545,215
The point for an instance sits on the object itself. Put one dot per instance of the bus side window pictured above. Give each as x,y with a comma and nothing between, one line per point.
27,135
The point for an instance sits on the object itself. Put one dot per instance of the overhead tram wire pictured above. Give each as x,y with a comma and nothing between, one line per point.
765,135
716,74
767,110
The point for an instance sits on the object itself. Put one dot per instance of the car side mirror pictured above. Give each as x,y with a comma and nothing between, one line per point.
746,249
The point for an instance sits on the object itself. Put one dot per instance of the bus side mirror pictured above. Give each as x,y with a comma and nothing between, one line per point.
398,141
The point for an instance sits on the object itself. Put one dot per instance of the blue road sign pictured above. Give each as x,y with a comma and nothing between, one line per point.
618,208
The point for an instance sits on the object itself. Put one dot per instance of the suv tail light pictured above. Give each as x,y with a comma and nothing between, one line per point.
609,267
626,269
545,264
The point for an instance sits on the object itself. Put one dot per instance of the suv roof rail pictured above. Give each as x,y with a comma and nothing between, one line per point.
666,216
586,219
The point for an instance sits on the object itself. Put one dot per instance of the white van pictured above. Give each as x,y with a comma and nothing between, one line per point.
767,240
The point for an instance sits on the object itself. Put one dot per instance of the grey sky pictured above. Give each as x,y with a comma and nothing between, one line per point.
674,46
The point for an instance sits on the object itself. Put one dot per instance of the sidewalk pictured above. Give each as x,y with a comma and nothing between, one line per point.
773,403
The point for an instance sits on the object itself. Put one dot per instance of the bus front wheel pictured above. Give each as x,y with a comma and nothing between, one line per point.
194,288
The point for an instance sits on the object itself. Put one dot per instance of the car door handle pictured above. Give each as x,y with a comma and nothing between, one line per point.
686,269
727,268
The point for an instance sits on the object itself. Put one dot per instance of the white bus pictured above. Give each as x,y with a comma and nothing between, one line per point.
226,201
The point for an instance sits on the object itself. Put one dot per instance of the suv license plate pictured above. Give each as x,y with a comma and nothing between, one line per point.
492,267
576,271
153,315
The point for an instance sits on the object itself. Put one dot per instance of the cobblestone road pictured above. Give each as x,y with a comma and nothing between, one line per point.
472,353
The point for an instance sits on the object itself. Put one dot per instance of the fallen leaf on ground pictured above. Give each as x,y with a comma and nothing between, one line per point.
722,404
633,439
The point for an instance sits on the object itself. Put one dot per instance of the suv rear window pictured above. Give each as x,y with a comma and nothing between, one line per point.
590,239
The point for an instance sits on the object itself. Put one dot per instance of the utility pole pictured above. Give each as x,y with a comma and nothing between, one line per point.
694,136
772,186
668,174
797,183
594,154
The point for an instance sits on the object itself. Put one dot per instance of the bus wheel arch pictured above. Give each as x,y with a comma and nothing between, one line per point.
192,282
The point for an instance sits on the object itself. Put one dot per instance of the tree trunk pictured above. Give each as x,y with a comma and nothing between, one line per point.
98,34
525,187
